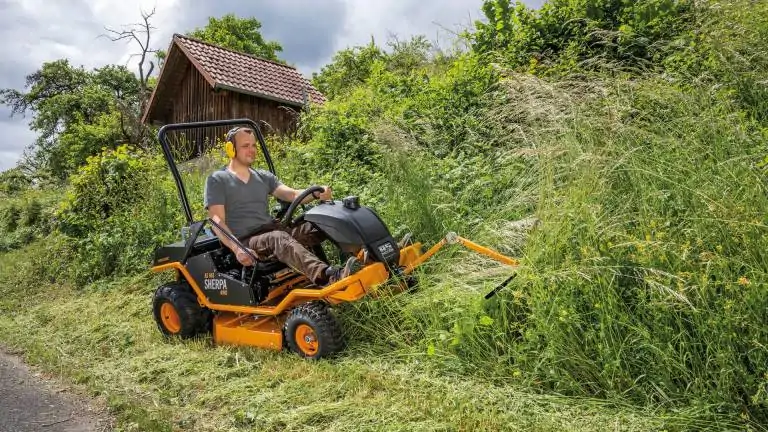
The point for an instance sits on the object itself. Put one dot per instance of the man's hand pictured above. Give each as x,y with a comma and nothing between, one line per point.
244,258
288,194
326,195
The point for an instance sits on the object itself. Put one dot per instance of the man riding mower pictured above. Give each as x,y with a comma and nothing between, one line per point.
264,280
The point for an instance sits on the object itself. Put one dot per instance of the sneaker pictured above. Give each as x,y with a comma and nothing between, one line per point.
335,274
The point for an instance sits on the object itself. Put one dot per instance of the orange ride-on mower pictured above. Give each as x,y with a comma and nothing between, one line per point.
270,305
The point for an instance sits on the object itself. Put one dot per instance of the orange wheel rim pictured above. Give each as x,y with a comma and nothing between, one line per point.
306,340
170,318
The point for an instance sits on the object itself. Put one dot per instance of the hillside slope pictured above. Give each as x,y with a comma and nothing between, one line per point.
641,298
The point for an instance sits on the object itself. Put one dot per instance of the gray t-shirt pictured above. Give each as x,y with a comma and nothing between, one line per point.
246,205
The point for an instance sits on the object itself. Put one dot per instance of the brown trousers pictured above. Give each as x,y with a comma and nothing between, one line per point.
289,245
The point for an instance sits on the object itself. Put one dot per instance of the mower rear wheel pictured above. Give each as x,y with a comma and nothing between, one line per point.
177,312
312,331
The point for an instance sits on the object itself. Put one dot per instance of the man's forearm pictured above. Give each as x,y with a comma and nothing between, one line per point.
223,237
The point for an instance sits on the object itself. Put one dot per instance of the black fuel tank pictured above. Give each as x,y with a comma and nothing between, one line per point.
353,226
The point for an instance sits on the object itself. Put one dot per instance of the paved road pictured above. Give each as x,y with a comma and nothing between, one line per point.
30,403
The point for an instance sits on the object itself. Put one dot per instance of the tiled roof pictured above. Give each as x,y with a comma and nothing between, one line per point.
239,72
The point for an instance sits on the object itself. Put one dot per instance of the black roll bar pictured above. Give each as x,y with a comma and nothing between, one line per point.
161,136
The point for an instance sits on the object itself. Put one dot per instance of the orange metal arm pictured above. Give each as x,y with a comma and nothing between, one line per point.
420,260
452,238
488,252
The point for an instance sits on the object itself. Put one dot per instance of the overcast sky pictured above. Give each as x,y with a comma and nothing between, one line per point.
310,31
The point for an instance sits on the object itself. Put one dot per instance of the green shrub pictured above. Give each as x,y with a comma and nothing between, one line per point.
109,183
13,181
9,217
26,216
572,36
31,213
116,211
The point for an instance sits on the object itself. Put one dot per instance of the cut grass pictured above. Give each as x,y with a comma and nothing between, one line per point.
104,338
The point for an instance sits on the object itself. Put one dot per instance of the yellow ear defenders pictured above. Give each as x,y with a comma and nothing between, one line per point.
229,146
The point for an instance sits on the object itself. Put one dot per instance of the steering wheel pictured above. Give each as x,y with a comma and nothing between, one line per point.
288,217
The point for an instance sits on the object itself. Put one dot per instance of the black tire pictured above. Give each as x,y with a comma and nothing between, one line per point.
190,318
325,337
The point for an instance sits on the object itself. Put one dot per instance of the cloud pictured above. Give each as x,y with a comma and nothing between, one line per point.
438,20
306,29
39,31
14,139
405,18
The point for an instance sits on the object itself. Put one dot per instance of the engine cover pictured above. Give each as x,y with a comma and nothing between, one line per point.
353,227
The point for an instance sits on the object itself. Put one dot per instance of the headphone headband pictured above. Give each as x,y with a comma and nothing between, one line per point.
232,132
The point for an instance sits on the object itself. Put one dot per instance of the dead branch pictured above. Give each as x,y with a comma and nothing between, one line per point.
141,34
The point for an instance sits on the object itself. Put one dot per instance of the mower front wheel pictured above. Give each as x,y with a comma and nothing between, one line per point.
312,331
177,312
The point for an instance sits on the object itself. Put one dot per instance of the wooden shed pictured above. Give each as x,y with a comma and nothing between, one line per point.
200,81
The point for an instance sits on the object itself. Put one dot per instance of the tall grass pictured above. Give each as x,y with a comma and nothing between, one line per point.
645,279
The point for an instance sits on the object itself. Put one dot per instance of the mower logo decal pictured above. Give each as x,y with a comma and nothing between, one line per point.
214,284
386,249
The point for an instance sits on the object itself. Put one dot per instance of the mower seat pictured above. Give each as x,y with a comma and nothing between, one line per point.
268,267
211,243
226,260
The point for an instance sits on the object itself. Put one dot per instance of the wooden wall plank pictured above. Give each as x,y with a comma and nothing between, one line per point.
195,100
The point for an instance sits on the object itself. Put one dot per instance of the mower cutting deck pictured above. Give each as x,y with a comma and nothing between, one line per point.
269,305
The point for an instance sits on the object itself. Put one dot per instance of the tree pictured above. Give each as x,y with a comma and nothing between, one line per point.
354,66
140,33
349,68
239,34
131,110
76,113
572,34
